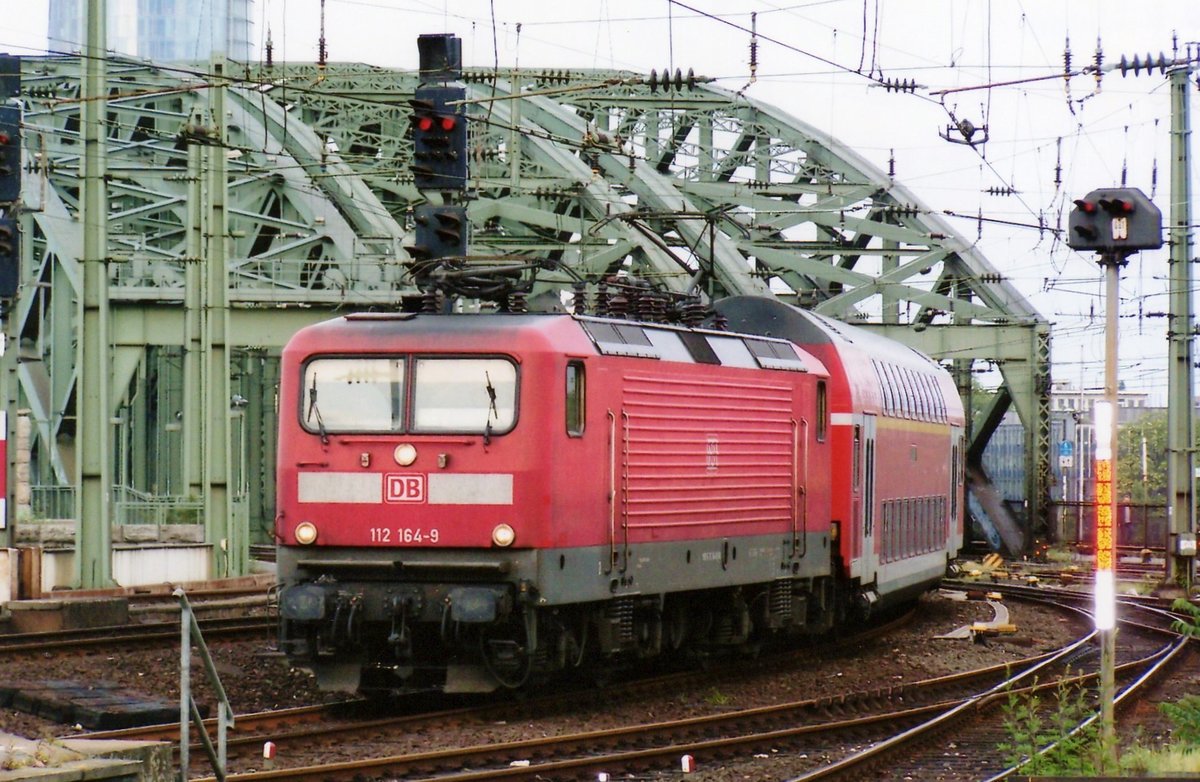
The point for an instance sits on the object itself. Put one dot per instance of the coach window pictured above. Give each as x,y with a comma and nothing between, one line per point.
895,391
856,466
914,388
575,398
891,394
924,407
907,405
884,390
869,489
822,410
927,393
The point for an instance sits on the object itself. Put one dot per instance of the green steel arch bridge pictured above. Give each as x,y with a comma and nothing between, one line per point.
244,203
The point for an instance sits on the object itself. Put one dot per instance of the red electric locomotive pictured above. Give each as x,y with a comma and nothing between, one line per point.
475,501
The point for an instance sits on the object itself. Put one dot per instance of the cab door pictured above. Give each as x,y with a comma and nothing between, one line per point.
867,520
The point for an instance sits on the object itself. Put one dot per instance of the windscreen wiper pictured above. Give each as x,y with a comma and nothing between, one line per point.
491,392
314,410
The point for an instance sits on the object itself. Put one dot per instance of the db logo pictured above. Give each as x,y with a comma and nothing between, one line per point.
404,488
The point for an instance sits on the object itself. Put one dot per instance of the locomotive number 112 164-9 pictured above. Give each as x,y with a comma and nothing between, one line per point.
403,535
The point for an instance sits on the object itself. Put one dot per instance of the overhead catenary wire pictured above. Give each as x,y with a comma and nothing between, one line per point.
783,44
567,140
1084,138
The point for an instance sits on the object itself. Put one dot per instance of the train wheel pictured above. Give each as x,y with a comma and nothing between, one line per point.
676,624
505,657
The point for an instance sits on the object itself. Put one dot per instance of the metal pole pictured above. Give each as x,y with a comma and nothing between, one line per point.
8,429
93,472
230,550
1180,438
185,683
191,426
1105,564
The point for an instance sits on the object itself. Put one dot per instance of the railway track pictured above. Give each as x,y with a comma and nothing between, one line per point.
1130,567
301,728
212,600
116,636
821,738
962,743
640,748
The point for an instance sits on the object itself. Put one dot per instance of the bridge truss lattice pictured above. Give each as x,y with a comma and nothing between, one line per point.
586,174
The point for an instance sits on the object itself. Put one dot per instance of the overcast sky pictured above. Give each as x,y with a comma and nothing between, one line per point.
810,59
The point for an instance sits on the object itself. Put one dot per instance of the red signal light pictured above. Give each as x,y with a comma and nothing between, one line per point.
1117,206
448,123
425,124
1087,207
4,139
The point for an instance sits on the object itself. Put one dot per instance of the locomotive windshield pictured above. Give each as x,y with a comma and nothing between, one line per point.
464,395
354,394
449,395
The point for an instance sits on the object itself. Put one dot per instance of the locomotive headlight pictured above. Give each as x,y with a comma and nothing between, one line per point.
405,454
503,535
306,533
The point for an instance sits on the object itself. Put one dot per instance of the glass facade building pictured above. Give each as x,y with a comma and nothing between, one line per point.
160,30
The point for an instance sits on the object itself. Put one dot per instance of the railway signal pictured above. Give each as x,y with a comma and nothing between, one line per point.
439,138
1115,220
440,57
10,153
10,256
10,76
441,232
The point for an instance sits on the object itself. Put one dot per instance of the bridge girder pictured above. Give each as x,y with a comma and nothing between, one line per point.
589,172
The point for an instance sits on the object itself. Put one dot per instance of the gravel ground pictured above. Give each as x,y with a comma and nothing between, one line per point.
257,679
254,678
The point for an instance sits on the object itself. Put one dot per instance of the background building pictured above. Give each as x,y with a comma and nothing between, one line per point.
161,30
1072,434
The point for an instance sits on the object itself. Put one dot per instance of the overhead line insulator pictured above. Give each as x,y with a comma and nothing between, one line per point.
1137,64
666,84
900,85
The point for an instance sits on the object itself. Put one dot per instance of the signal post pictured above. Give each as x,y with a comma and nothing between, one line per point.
1116,223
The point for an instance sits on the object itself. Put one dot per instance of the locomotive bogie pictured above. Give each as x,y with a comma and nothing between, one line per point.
506,643
358,599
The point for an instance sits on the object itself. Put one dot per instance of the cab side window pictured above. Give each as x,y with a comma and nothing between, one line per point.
575,399
822,410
